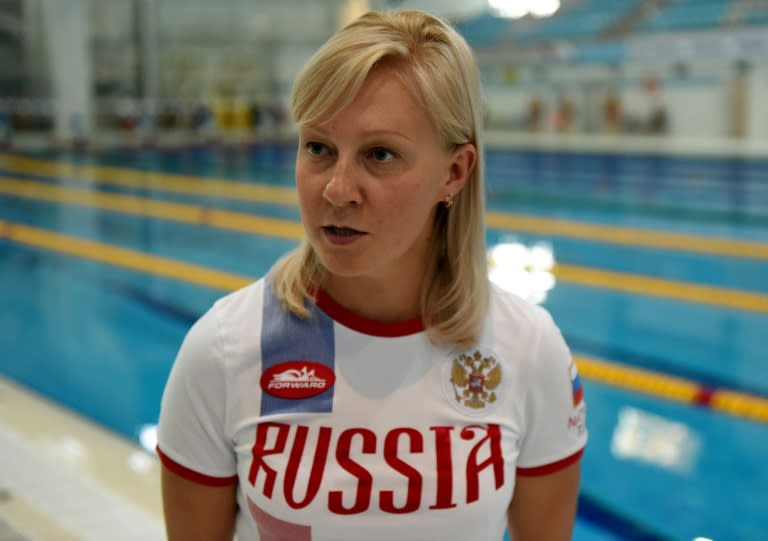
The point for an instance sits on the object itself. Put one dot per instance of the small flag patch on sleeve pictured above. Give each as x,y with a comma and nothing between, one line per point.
576,387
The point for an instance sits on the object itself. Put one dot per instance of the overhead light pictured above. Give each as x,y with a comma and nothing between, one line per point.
543,8
513,9
516,9
526,271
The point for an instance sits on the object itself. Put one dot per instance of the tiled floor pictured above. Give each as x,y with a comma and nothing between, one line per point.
64,479
9,533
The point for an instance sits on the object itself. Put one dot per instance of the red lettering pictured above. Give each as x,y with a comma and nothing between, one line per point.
413,500
365,479
309,461
318,465
444,457
259,451
495,459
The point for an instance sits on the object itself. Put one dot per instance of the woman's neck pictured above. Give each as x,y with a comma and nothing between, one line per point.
370,299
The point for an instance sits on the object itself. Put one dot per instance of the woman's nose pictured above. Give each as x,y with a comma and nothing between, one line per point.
343,188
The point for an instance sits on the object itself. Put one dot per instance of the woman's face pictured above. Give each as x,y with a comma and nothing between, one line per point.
370,179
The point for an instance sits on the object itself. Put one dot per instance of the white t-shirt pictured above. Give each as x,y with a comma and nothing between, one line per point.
340,428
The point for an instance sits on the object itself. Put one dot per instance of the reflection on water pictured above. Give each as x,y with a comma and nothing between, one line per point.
643,436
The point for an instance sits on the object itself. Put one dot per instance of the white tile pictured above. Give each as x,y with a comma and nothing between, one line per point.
78,477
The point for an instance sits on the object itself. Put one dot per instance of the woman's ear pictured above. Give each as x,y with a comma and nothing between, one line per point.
462,164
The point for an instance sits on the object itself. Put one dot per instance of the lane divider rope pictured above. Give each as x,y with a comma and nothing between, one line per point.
642,381
672,388
287,229
246,191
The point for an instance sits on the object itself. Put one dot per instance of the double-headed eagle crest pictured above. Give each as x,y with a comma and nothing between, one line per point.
474,379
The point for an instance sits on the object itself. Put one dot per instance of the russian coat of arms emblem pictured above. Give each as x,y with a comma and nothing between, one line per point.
475,379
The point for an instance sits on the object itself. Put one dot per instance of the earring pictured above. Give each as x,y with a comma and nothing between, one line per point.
448,201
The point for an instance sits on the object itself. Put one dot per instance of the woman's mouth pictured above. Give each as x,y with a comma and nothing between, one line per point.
342,235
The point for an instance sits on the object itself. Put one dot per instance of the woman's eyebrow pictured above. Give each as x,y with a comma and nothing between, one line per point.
375,132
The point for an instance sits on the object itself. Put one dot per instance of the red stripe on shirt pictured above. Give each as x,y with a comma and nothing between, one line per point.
192,475
364,325
551,468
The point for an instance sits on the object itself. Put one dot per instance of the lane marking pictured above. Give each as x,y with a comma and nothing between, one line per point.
141,206
629,236
137,178
175,183
664,288
734,403
121,257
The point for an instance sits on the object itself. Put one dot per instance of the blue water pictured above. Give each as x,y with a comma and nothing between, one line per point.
101,340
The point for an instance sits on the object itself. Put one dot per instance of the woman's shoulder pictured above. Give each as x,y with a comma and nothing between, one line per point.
529,329
241,302
231,316
510,309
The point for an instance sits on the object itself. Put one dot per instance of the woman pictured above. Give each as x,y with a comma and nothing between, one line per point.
374,385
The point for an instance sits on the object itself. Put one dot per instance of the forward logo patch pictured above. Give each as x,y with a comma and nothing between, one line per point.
297,379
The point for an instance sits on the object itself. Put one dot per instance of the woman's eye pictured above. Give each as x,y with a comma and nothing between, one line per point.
314,148
382,154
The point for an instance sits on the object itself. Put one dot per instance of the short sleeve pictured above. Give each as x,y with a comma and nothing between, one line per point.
555,412
192,439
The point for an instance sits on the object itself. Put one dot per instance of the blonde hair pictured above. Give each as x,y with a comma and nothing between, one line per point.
437,65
